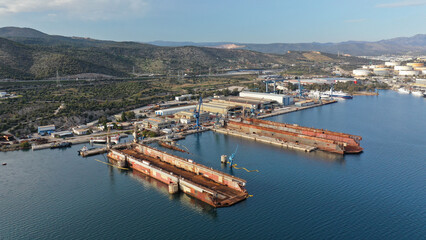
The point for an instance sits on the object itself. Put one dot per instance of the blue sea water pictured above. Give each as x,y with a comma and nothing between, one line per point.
379,194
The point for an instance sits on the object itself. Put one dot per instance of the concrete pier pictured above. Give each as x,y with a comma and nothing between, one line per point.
268,140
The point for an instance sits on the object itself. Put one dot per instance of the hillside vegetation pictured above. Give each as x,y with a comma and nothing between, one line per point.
29,54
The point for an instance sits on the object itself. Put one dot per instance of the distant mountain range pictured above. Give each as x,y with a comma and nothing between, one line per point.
401,45
26,53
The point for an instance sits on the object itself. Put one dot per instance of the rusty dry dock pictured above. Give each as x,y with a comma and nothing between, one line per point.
206,184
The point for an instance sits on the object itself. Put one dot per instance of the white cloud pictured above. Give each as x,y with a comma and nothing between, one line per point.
83,9
406,3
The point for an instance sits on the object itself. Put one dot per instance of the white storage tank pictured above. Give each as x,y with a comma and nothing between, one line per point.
403,68
408,73
392,64
415,64
381,71
361,72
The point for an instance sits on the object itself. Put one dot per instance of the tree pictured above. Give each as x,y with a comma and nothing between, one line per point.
25,145
102,120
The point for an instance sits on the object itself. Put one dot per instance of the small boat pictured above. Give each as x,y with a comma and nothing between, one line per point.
337,94
170,146
417,93
84,149
404,91
4,164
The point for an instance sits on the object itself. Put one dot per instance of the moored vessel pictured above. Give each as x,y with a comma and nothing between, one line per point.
404,90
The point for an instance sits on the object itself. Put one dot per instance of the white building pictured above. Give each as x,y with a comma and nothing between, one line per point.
361,72
183,97
280,98
171,111
392,64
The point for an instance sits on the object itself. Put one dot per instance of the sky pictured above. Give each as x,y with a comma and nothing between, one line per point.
244,21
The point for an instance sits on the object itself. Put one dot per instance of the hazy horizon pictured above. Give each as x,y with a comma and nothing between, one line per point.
270,21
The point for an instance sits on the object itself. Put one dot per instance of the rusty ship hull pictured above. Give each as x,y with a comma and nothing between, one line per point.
216,188
325,140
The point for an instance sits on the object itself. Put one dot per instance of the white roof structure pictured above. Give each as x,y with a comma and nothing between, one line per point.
280,98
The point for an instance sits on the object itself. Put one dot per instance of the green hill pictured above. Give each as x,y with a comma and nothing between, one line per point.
30,54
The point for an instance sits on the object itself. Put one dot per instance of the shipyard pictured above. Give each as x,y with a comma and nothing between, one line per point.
212,120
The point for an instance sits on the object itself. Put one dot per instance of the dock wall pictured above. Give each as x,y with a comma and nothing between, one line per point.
313,132
323,144
189,165
202,193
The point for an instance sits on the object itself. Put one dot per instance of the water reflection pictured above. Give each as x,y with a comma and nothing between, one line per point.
324,156
192,203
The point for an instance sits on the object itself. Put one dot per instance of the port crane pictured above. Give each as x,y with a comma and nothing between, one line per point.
232,157
197,113
267,81
300,87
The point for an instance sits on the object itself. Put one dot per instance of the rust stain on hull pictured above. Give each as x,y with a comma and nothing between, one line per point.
208,185
325,140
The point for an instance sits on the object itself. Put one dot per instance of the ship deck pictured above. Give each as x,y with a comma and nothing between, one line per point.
227,196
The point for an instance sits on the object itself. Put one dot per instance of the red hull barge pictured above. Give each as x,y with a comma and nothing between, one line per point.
325,140
206,184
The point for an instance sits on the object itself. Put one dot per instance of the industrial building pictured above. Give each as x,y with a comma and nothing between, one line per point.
156,123
421,81
62,134
304,103
248,103
81,130
46,130
361,72
171,111
183,97
279,98
415,64
187,117
221,108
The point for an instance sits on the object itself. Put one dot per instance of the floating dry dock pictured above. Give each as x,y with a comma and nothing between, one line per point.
319,138
206,184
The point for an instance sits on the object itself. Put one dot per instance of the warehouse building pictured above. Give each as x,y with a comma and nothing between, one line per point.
171,111
279,98
156,123
187,117
62,134
221,108
183,97
248,103
81,130
46,130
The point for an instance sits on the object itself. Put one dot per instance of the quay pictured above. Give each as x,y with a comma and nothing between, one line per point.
294,109
211,186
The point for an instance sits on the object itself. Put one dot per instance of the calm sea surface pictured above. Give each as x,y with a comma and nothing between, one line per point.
379,194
